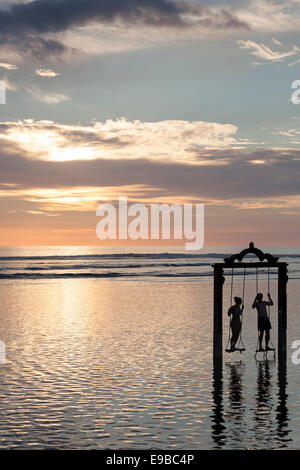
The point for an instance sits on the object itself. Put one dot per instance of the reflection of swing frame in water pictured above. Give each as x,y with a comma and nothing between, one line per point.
266,261
278,432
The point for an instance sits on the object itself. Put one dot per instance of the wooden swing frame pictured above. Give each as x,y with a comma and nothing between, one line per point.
266,260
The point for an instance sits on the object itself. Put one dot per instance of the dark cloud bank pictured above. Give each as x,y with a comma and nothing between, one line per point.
280,176
24,26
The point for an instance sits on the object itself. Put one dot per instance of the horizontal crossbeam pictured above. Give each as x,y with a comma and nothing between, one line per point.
249,265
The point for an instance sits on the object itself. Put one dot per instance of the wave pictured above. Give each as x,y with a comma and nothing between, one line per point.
128,275
71,275
119,256
104,266
113,256
126,265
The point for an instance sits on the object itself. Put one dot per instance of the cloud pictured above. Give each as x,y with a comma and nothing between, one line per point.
139,162
48,73
270,16
47,214
37,27
21,47
48,98
9,85
287,133
294,63
6,66
266,53
119,139
80,185
52,168
275,41
48,16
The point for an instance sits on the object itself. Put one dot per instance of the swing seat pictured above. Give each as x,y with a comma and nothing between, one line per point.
265,353
265,350
235,349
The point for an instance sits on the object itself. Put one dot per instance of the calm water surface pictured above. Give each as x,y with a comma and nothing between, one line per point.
108,363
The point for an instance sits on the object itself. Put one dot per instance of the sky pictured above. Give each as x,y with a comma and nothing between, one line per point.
159,100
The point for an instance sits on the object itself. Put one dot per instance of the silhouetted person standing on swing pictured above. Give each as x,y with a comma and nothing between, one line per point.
264,324
235,311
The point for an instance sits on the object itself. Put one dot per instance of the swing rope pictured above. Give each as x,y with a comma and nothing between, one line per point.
240,342
257,344
269,310
231,289
229,330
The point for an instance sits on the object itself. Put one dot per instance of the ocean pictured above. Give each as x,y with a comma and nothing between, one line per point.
112,349
131,264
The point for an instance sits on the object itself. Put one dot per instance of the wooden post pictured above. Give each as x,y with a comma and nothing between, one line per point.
218,314
282,311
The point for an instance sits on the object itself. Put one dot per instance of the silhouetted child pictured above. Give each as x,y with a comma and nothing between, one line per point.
264,324
235,311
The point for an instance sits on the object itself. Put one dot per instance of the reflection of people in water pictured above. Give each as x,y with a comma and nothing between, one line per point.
235,388
235,311
264,427
263,384
236,420
268,426
264,324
